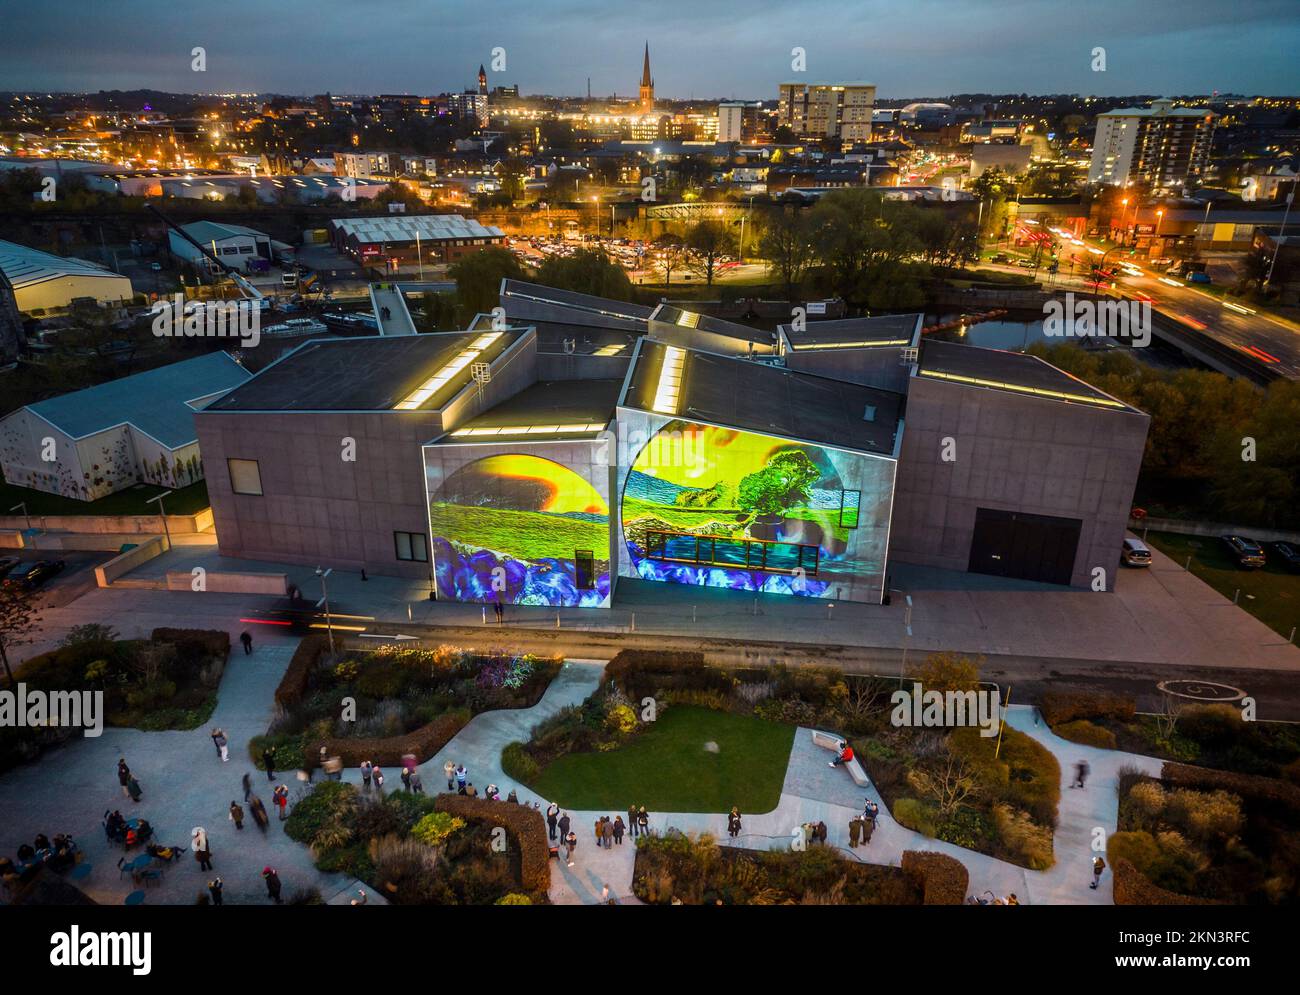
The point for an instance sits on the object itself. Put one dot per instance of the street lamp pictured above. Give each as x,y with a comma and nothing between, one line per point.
162,514
325,600
1160,216
1281,232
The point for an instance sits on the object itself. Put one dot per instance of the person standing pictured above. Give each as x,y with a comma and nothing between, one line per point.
272,884
607,833
223,745
123,776
868,827
462,776
552,814
1098,865
133,788
216,737
379,781
449,769
855,831
366,768
600,827
870,811
417,785
281,799
268,761
733,822
1081,770
214,889
247,639
571,844
619,828
237,815
643,821
199,844
564,826
631,820
406,779
248,786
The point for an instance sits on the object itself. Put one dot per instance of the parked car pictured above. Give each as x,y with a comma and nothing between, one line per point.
1199,276
1288,553
7,563
999,257
1135,553
1247,552
33,573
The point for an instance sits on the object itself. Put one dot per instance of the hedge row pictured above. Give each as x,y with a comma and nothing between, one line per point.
423,742
1266,789
195,642
1132,887
1087,733
642,672
293,685
942,879
1066,706
523,822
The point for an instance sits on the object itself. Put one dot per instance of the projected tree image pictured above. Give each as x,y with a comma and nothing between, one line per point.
521,529
753,512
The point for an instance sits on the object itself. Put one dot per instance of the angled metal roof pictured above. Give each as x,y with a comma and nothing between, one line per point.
26,267
153,402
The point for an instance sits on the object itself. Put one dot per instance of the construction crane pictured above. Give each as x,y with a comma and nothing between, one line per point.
246,289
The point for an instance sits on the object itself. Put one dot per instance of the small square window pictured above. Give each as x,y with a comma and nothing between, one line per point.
245,476
411,546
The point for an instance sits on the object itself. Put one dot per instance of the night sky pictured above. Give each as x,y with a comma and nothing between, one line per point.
701,48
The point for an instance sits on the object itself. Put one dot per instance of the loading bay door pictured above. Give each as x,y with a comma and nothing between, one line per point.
1029,547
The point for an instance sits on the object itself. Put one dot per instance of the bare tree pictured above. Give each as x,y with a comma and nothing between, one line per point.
19,617
949,780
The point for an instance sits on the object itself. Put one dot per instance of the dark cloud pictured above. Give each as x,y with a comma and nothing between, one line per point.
705,49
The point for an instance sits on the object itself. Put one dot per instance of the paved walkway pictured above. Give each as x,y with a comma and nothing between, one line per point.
185,785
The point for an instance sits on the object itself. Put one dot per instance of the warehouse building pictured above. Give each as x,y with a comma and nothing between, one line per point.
243,248
427,238
138,429
42,281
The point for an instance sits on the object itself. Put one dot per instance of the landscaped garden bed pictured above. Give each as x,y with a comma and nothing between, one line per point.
1210,735
1195,835
402,700
695,870
168,681
419,849
996,795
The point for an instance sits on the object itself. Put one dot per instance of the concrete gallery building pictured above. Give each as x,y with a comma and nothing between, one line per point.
537,458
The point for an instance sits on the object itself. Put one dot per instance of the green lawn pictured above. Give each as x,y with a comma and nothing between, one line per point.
529,535
668,769
1272,594
132,501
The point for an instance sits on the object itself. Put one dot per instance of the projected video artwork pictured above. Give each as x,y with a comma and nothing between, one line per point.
521,529
717,507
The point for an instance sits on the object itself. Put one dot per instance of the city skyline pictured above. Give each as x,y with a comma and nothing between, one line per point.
722,52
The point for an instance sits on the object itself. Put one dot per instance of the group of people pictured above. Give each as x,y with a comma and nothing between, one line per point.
58,854
862,826
610,831
129,833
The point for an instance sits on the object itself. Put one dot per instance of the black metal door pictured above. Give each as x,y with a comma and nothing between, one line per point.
1028,547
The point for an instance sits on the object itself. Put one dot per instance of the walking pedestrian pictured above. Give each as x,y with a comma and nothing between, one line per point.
216,736
248,786
247,639
366,767
855,831
571,843
199,844
607,833
449,769
259,813
281,799
552,815
1081,771
214,889
123,776
619,827
631,820
223,745
417,785
1098,865
237,815
133,788
268,761
733,822
272,884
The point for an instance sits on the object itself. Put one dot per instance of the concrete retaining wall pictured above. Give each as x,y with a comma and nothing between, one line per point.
124,524
128,561
223,582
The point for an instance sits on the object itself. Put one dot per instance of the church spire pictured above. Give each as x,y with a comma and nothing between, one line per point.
645,70
647,102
